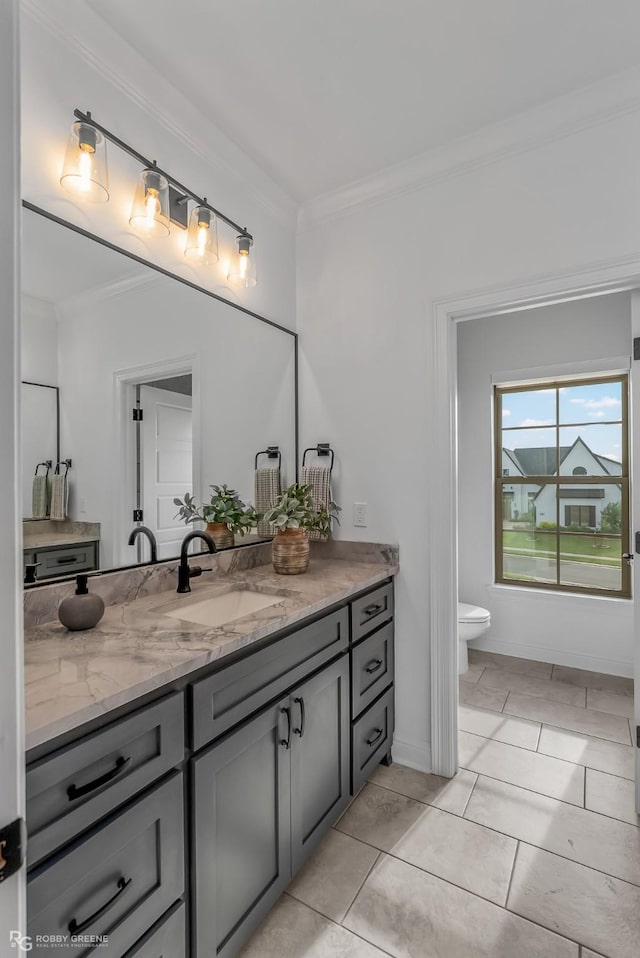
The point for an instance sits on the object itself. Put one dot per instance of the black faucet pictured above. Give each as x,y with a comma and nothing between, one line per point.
184,572
144,531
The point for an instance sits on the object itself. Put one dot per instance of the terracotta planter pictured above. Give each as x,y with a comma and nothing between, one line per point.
290,552
221,534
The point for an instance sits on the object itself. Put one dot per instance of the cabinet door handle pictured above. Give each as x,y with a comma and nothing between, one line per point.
75,791
286,741
77,927
373,666
300,731
377,734
370,610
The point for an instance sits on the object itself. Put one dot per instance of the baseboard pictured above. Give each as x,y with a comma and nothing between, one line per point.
413,754
542,653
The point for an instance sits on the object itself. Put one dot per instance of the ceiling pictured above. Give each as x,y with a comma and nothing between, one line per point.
324,93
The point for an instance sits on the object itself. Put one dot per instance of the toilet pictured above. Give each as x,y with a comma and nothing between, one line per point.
473,621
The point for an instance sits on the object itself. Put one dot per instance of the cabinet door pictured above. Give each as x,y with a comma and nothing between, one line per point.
319,757
241,838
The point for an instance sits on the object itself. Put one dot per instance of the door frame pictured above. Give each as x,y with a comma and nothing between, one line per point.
125,382
442,539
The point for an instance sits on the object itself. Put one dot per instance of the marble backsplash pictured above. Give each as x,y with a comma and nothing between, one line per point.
41,603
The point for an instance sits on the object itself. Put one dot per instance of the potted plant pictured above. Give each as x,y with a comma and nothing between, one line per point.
225,514
293,516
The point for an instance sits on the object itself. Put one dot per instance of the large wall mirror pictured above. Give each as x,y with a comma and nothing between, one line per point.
106,334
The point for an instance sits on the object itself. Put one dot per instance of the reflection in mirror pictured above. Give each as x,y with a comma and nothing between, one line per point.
163,390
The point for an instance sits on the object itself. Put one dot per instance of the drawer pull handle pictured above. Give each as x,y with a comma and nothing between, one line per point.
377,735
68,561
300,731
373,666
286,741
77,927
75,791
370,610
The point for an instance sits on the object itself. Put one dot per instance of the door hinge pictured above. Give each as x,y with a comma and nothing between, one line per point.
138,515
636,348
138,415
638,736
12,843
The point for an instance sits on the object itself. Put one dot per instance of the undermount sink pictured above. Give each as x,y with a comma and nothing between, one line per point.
224,608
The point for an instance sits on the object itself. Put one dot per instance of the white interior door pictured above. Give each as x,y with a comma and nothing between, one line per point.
166,454
635,523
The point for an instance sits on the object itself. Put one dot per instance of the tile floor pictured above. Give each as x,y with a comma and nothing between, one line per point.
531,851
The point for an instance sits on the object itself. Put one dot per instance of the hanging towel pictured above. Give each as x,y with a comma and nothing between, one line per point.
267,493
319,478
40,497
59,496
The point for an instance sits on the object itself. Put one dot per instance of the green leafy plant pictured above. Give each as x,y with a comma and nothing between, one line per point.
296,510
224,506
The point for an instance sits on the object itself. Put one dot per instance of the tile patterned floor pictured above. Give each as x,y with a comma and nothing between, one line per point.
532,851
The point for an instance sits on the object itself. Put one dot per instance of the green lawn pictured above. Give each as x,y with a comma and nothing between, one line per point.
604,550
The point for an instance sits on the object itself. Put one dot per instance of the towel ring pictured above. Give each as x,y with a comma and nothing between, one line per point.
322,449
63,462
48,463
273,452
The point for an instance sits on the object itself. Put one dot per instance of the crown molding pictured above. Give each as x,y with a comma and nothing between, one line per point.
565,116
89,37
83,301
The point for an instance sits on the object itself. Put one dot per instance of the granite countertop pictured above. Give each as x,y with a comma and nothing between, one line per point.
72,678
47,540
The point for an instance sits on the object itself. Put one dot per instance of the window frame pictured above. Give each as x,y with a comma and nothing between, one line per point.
559,480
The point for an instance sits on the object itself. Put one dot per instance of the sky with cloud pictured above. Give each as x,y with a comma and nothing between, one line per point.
591,411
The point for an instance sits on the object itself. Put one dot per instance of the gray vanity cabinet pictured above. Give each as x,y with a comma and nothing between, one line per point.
319,757
263,798
241,831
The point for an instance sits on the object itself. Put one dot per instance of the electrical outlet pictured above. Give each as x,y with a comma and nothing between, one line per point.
82,505
360,513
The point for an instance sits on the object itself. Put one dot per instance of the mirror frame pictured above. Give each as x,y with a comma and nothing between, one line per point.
200,289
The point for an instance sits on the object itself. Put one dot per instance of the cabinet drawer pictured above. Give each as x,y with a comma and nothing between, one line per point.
165,940
370,611
74,787
65,561
233,693
371,738
371,668
117,882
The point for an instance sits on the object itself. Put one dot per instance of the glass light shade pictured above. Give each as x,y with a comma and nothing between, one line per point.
84,171
202,236
150,210
242,270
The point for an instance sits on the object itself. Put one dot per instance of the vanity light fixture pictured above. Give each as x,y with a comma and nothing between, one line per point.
84,171
202,235
150,210
159,200
242,269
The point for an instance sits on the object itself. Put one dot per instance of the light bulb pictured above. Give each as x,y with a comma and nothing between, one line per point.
242,269
150,210
202,235
84,171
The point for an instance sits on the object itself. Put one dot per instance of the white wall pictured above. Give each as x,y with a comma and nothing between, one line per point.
368,278
39,341
565,629
12,891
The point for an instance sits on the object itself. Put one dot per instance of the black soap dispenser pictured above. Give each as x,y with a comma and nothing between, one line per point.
82,610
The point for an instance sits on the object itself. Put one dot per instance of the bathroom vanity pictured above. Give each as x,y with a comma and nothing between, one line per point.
173,821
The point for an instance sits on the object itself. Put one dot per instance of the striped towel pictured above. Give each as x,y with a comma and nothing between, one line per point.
40,497
267,493
59,496
319,478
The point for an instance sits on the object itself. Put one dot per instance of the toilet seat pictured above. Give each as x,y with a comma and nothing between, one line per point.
472,613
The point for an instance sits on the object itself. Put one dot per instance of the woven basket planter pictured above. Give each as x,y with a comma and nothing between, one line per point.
221,534
290,552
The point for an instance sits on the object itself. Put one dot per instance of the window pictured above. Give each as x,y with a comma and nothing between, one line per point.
562,512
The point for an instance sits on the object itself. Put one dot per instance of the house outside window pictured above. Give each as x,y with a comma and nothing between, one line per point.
562,522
